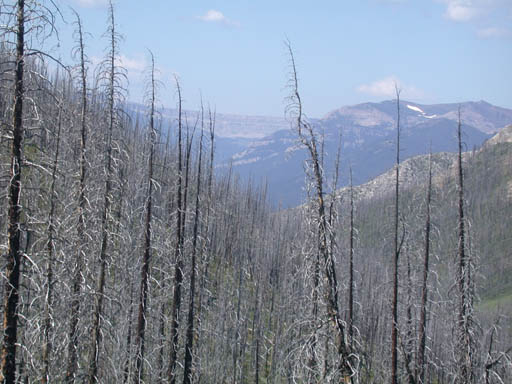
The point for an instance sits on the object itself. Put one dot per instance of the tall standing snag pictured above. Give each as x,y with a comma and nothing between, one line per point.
31,18
464,345
178,269
112,74
141,322
422,337
76,284
14,252
187,372
50,247
351,268
308,138
396,252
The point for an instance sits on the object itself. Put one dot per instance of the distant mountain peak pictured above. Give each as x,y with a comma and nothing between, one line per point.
481,115
368,137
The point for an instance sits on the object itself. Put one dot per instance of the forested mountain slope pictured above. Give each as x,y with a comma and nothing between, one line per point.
127,259
488,173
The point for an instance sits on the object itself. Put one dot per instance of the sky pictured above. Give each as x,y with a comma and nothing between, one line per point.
231,53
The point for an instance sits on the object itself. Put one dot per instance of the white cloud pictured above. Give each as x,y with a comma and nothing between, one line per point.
90,3
386,88
459,10
493,32
468,10
214,16
488,17
131,64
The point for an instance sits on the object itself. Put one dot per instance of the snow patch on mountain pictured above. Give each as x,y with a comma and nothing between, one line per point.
414,108
418,109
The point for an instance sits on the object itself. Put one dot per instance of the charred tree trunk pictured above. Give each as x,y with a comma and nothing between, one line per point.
464,347
50,247
351,270
422,337
308,138
141,322
313,364
396,254
187,374
126,367
100,288
207,244
178,269
76,284
14,252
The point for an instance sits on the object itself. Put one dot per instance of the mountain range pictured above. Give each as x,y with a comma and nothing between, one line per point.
265,149
368,137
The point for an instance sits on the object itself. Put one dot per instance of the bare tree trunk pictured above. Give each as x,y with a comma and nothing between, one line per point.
464,363
207,244
422,337
187,378
141,323
22,375
308,138
76,284
50,247
126,368
394,325
351,269
163,305
312,363
178,269
100,289
14,253
408,343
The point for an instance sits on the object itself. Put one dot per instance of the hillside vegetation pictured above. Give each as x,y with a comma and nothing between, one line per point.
489,180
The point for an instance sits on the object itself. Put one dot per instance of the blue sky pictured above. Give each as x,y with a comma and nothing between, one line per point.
232,52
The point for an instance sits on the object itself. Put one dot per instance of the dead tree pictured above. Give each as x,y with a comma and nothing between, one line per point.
205,252
35,21
112,75
141,322
76,284
14,251
422,336
351,269
50,247
464,340
187,373
396,253
307,137
178,255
